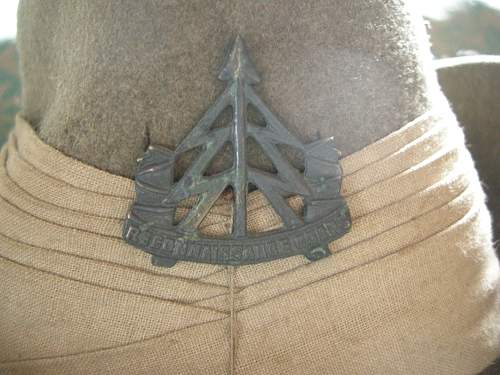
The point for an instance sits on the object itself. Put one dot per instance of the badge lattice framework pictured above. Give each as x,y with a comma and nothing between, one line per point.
151,225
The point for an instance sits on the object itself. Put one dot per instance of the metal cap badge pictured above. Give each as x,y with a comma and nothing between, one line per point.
151,226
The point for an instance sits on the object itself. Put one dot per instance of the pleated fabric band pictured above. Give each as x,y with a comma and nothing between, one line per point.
412,289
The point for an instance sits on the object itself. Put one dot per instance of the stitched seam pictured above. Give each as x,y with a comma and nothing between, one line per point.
454,174
472,212
441,125
265,205
127,198
248,308
428,116
114,239
424,117
38,199
401,171
232,320
118,240
123,267
84,214
80,212
64,182
375,236
433,158
111,348
174,302
295,269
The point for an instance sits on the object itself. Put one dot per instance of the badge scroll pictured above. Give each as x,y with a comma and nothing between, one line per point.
151,224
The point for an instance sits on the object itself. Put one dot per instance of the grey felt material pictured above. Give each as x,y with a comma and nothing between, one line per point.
102,79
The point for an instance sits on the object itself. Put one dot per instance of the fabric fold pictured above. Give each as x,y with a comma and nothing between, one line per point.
412,289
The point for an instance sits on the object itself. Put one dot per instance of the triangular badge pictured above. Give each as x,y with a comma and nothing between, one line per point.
151,224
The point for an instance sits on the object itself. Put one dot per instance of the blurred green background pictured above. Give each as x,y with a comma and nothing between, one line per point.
469,28
10,87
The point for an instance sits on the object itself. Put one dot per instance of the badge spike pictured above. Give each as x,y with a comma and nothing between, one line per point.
238,65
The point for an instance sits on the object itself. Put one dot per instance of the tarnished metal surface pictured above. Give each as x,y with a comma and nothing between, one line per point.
151,226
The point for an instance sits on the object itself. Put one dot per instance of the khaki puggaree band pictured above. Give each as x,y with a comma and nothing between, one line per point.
412,289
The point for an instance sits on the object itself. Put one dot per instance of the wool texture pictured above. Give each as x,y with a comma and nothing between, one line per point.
101,79
412,289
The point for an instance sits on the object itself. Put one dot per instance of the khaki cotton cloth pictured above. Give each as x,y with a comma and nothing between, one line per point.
412,289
